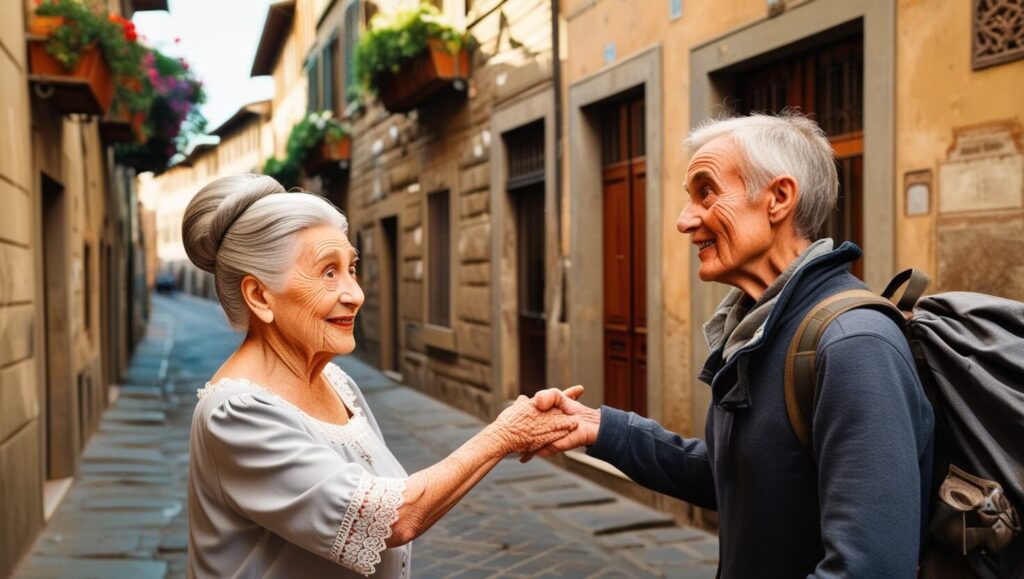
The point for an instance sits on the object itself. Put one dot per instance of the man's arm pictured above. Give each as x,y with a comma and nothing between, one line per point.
872,439
654,457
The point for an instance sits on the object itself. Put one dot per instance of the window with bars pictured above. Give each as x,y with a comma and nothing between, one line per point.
439,259
350,41
525,155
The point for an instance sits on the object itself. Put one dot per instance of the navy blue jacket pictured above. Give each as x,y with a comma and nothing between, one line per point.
854,509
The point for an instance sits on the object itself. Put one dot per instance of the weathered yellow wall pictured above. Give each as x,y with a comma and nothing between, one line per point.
937,91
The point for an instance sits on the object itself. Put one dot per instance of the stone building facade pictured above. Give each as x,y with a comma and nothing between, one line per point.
920,100
73,298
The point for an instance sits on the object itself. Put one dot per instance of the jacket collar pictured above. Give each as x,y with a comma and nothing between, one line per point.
732,394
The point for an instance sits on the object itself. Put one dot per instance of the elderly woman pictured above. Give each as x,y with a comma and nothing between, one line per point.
289,475
759,189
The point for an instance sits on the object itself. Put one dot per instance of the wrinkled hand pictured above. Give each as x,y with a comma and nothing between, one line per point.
554,400
525,428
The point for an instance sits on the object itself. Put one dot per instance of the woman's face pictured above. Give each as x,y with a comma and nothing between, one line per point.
318,306
731,232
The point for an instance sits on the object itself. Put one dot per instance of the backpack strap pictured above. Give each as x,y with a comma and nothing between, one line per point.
800,374
916,281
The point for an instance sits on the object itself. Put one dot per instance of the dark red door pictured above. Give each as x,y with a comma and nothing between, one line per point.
624,175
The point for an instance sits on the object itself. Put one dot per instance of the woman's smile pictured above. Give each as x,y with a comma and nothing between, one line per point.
343,322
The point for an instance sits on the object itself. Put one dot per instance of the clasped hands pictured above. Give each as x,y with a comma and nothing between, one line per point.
552,421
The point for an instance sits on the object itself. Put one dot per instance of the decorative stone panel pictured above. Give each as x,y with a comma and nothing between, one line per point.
997,32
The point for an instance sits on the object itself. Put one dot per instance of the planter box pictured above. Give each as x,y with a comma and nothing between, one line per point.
88,89
423,77
122,127
329,155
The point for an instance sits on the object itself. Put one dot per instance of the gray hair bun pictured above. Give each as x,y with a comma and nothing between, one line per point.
215,208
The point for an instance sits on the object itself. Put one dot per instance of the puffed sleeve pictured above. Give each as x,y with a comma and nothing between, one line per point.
273,472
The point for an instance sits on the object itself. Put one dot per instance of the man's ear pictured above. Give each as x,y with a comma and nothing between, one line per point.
783,194
257,299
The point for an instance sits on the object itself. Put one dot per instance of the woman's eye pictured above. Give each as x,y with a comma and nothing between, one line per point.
330,273
352,271
706,191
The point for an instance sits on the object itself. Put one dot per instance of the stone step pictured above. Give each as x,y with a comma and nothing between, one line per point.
68,568
614,517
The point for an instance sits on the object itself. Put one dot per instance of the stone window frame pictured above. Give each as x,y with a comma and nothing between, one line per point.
538,106
586,290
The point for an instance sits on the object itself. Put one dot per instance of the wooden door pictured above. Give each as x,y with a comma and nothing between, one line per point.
624,175
826,82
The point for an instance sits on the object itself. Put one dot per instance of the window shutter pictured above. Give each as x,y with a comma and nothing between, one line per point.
327,64
313,74
439,258
351,40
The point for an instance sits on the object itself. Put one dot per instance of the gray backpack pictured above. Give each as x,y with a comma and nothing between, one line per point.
969,353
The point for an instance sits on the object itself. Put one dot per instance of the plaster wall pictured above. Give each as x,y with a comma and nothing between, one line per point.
938,93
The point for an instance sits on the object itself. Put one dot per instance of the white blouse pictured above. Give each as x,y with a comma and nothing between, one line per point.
274,492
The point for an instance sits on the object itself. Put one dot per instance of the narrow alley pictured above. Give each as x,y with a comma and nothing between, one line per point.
125,515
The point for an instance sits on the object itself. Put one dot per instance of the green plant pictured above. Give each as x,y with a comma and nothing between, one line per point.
394,40
306,135
285,171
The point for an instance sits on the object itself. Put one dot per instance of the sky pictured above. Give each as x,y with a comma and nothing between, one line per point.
218,39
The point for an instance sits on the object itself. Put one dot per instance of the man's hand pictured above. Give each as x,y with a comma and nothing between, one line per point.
565,402
524,428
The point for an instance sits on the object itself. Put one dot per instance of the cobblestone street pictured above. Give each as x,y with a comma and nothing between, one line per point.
125,514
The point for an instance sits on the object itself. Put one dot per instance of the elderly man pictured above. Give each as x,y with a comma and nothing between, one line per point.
759,189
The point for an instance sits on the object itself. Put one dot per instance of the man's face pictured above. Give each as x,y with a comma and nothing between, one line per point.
731,232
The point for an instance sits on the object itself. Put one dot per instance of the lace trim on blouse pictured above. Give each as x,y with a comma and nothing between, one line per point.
367,523
352,435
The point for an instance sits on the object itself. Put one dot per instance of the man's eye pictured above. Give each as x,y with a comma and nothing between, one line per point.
330,273
706,191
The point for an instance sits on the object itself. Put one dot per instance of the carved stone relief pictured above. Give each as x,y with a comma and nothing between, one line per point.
997,31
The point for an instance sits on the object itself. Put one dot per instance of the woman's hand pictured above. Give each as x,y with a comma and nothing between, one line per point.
585,434
524,428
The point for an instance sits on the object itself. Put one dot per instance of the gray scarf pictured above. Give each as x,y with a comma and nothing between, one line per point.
738,321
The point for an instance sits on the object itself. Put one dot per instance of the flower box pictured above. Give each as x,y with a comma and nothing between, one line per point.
88,89
122,126
422,77
44,25
329,154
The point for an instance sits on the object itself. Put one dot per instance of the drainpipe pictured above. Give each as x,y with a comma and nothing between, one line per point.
556,79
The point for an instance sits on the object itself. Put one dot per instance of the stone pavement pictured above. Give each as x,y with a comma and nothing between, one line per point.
125,515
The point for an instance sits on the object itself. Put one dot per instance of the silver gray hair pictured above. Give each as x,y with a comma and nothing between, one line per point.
786,144
247,225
